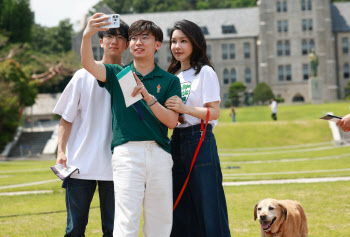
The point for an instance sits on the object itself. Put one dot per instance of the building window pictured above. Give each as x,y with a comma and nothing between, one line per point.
101,53
225,76
156,57
233,75
246,50
169,55
228,29
311,45
95,53
279,48
209,51
345,45
280,73
307,46
205,30
288,72
304,25
279,26
305,71
283,46
232,51
310,25
285,7
284,72
307,25
168,31
278,6
287,47
304,47
346,70
285,26
303,5
248,75
309,5
224,51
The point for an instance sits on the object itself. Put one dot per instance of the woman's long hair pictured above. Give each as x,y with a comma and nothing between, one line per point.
199,56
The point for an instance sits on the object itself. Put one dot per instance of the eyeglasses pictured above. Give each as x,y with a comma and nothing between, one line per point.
112,37
143,38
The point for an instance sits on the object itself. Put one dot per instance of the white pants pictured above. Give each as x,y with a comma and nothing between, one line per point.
142,174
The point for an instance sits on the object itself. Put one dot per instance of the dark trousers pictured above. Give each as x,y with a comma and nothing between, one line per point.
79,194
202,210
274,116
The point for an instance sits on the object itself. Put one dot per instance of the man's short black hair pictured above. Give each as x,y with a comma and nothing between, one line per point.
140,26
123,29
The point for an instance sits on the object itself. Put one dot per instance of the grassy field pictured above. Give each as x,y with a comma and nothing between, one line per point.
297,146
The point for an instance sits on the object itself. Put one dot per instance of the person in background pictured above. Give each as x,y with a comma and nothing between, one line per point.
141,159
202,210
233,114
84,138
273,106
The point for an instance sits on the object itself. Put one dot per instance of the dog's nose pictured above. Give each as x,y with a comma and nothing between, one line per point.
262,217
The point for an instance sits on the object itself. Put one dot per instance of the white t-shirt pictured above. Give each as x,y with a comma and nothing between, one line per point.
197,90
88,107
274,107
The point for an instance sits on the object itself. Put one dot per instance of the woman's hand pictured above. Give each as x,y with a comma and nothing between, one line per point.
175,103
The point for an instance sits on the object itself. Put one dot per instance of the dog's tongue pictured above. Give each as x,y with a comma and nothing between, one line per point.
265,224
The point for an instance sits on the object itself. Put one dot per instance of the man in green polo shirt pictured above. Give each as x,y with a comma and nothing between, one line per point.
141,160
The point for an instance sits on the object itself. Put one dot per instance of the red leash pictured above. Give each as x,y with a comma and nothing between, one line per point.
203,130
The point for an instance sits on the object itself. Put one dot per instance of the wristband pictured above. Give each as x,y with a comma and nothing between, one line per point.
152,102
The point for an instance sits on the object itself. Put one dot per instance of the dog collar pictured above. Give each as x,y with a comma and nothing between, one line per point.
279,231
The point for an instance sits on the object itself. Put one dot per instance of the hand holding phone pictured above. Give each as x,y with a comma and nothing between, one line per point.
332,118
114,20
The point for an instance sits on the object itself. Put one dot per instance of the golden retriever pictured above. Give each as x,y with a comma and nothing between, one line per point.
281,218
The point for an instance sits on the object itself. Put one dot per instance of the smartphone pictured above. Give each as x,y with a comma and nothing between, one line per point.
331,117
114,20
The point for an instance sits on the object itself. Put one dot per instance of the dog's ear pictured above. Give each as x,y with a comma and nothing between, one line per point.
284,210
255,210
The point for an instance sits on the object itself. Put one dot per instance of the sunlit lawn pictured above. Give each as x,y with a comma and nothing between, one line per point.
298,145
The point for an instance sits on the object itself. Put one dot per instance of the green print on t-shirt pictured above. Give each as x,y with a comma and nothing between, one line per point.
185,91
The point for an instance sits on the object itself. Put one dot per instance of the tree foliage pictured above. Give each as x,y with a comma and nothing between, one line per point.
54,39
141,6
30,56
262,93
16,20
236,91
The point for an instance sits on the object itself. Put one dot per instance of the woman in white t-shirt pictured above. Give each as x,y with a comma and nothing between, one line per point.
202,209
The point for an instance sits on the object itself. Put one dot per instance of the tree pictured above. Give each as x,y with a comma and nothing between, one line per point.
54,39
236,90
16,19
25,65
262,93
141,6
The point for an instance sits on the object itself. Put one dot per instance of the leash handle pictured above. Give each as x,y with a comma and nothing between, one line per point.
203,130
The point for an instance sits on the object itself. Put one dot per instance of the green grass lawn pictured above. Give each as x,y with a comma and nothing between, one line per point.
298,145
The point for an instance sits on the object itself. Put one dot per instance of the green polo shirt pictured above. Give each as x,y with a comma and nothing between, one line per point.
126,122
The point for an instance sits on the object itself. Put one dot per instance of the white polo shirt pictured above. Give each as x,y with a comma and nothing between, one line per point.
88,107
197,90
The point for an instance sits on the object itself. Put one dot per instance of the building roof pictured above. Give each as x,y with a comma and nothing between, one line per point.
245,21
44,104
340,16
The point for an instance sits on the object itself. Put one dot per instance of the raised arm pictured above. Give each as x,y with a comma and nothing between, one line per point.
97,69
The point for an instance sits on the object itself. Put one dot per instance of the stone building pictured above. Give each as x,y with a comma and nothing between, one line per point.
268,43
